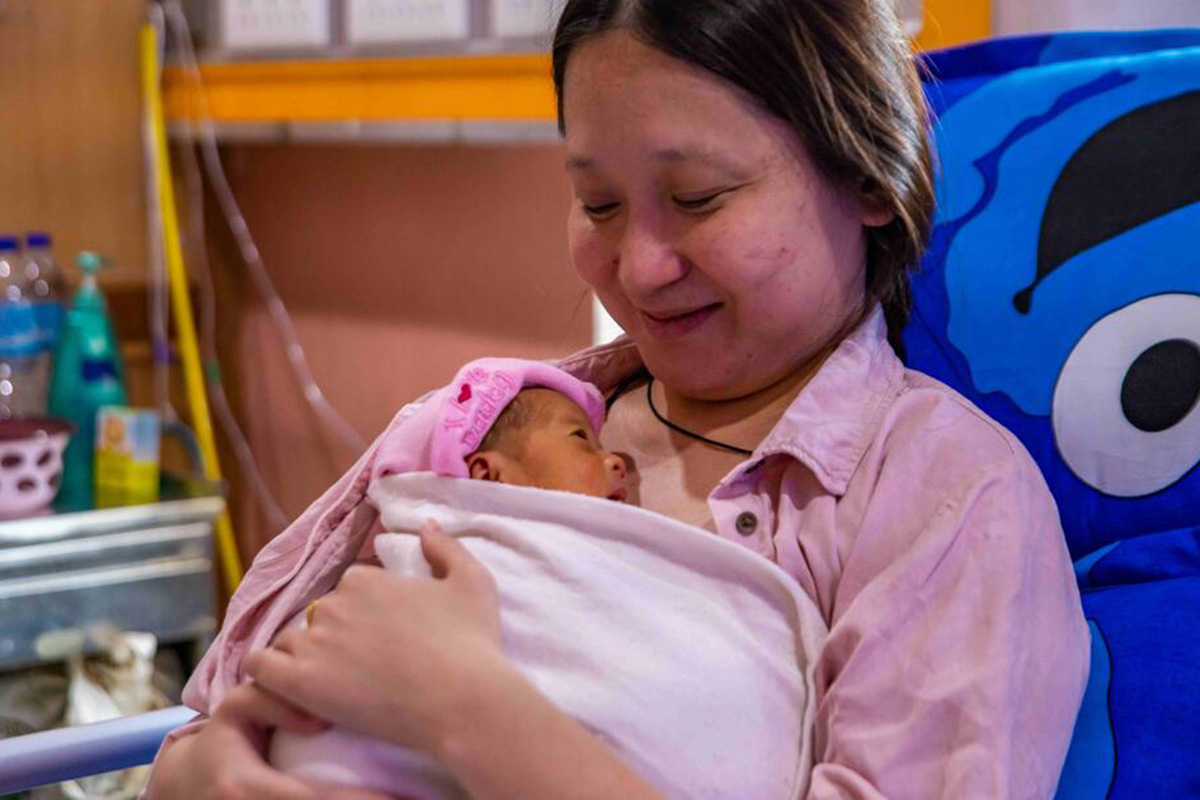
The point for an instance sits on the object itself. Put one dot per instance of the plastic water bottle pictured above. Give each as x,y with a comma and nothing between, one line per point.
45,288
24,361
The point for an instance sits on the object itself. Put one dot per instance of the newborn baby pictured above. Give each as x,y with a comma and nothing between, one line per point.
517,423
545,440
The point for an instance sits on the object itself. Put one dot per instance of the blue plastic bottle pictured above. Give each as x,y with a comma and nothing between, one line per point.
88,375
24,363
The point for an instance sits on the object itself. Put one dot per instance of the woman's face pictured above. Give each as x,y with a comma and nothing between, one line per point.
702,223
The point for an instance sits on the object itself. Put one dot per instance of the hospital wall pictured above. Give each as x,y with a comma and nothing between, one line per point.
70,128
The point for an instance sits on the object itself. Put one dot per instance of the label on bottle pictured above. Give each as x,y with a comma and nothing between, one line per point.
20,335
48,316
95,370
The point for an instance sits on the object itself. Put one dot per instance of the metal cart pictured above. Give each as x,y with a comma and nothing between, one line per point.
137,568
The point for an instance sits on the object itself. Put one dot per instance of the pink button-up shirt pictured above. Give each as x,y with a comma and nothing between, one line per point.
958,652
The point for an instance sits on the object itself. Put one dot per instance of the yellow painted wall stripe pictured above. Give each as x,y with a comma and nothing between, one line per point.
447,88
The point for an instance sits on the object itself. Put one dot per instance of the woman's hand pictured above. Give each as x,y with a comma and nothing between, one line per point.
224,761
396,658
418,662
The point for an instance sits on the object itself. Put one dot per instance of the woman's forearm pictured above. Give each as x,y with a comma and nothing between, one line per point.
514,744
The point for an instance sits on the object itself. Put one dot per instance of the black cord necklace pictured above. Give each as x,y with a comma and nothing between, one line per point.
721,445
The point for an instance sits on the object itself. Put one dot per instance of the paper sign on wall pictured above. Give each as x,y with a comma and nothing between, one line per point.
538,17
257,24
524,17
406,21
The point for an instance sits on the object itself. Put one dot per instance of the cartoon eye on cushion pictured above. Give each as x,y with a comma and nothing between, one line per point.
1125,412
1125,405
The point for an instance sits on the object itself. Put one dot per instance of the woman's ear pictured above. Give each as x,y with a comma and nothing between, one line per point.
484,466
876,211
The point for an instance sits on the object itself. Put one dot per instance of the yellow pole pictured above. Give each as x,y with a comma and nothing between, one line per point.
181,304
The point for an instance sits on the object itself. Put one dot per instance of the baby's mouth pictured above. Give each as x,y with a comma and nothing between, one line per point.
619,495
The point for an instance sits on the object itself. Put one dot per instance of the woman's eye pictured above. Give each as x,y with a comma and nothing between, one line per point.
697,203
580,433
603,210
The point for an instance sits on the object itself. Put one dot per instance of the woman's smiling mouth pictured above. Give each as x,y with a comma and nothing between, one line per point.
673,324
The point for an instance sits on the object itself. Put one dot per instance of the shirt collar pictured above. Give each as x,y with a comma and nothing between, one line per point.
831,423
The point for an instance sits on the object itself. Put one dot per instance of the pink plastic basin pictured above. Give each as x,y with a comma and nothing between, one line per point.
31,453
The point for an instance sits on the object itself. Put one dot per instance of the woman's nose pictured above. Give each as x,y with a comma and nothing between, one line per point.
647,260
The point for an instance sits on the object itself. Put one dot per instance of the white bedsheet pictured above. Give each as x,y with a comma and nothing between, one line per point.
689,655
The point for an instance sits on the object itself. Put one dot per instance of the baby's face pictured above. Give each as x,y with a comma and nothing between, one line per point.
558,449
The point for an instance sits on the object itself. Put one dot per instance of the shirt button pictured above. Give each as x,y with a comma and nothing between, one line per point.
747,523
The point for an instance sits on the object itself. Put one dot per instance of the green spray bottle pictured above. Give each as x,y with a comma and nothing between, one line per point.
88,374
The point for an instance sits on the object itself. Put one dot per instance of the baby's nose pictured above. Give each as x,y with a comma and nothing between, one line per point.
615,465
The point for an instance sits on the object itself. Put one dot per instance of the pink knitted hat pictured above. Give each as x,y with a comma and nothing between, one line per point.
452,423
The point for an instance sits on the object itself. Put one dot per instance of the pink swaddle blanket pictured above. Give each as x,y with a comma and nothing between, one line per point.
688,655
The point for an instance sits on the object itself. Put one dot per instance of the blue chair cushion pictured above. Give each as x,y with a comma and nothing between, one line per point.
1061,294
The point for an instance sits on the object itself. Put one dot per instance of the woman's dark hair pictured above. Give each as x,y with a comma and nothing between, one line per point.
839,72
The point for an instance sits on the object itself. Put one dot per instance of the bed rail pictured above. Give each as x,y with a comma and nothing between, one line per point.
37,759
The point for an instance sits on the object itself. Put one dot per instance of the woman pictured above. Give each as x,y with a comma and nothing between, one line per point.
753,184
